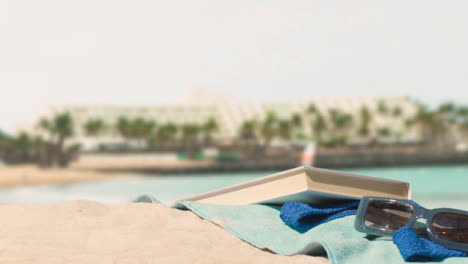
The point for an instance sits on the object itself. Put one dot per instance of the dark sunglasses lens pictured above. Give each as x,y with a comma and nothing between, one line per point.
387,216
451,227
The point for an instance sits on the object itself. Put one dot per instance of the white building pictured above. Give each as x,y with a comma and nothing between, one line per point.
230,116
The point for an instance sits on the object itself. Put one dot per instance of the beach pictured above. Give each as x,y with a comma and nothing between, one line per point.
33,175
90,232
68,229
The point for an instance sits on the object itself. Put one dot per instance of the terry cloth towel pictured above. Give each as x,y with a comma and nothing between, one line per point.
414,248
302,217
261,226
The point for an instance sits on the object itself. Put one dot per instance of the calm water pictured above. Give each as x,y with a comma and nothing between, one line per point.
433,186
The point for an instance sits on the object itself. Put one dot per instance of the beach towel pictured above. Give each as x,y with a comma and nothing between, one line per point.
413,248
261,226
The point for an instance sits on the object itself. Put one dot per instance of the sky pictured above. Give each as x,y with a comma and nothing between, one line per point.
147,52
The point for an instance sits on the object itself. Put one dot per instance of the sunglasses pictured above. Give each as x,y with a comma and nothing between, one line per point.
383,216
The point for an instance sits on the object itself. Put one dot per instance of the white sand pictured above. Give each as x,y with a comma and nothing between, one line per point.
89,232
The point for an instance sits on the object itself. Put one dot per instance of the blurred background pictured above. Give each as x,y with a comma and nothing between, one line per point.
107,100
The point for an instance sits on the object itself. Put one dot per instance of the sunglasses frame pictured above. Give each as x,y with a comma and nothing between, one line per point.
419,212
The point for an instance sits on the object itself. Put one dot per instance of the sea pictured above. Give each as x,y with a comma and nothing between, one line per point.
432,186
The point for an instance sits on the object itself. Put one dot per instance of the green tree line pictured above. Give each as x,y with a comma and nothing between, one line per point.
329,128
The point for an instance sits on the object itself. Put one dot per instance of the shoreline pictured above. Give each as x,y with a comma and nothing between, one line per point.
103,166
151,164
26,175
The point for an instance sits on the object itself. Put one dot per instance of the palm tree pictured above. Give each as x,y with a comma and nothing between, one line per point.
462,115
269,129
123,127
425,119
165,134
431,123
22,141
297,125
397,111
247,131
248,137
94,127
319,126
341,122
137,129
449,112
3,135
39,146
365,121
285,129
384,132
447,107
142,129
462,120
59,128
190,138
63,124
452,118
382,107
4,140
312,109
22,147
209,127
296,120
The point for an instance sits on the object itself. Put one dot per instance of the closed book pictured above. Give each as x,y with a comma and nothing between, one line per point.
304,184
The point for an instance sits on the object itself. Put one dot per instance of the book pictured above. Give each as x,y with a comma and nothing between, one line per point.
304,184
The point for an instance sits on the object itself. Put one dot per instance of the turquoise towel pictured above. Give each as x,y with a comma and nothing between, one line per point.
302,217
261,226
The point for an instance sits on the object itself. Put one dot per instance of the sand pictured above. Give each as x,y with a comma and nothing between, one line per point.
136,161
89,232
89,168
33,175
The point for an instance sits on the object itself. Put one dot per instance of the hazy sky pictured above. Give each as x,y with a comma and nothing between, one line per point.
150,52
